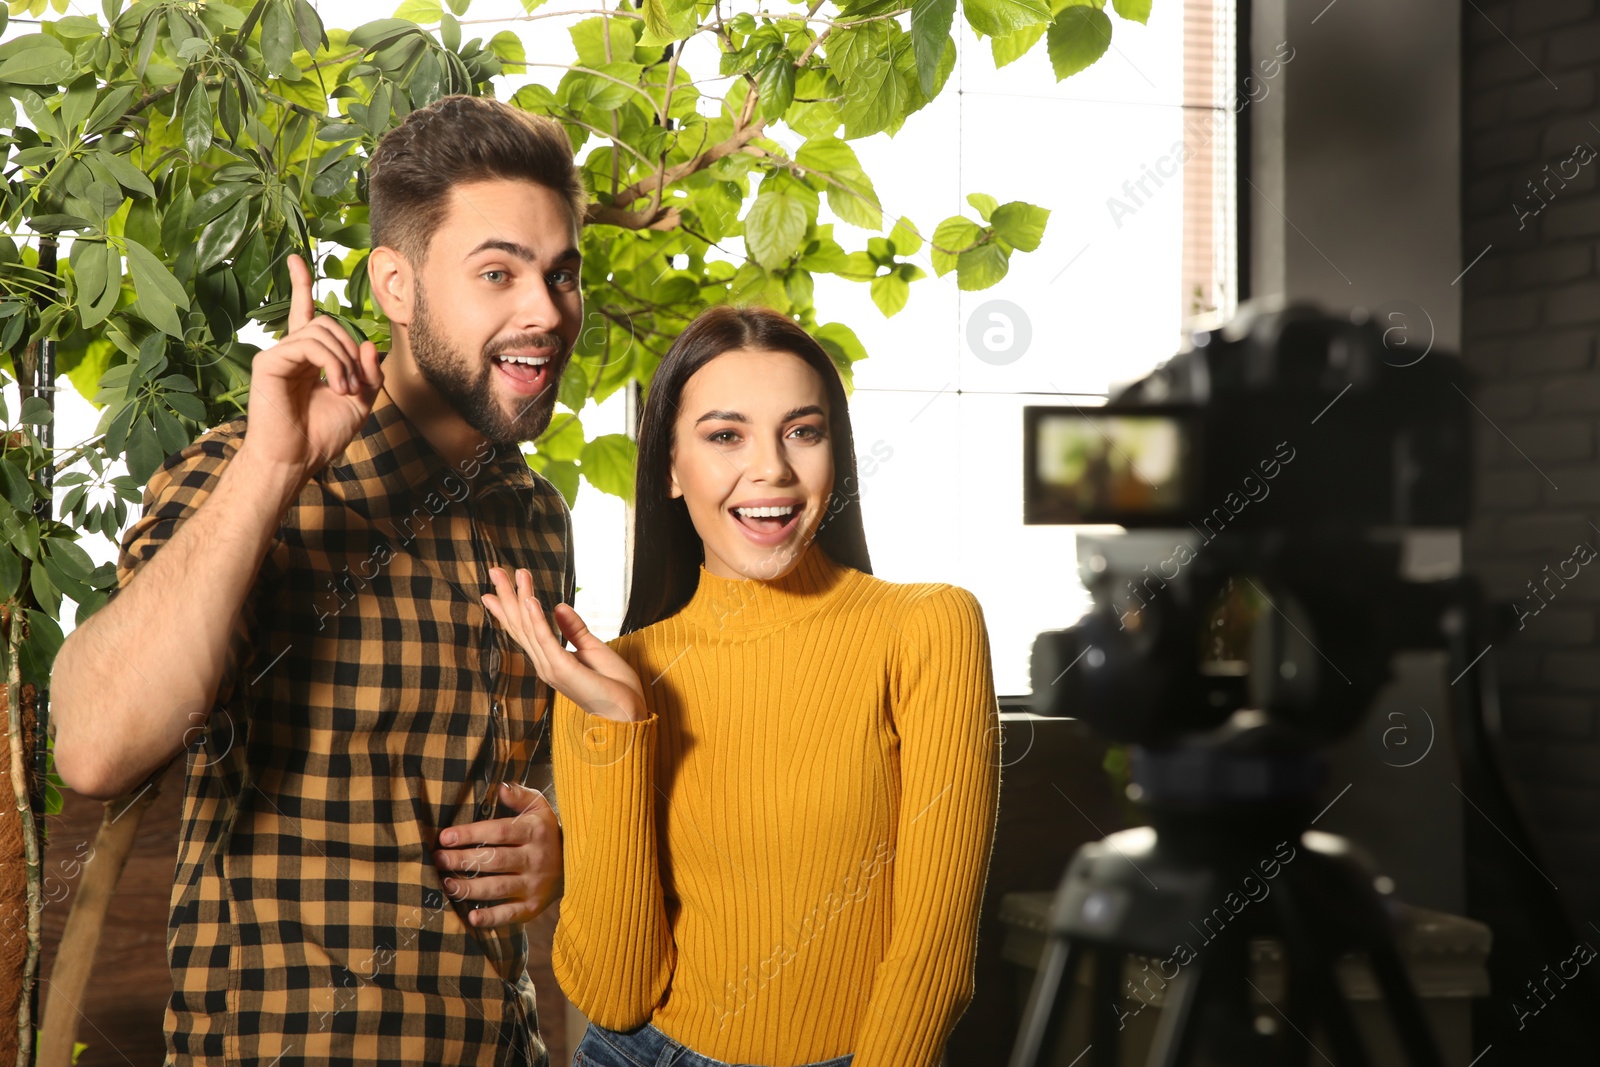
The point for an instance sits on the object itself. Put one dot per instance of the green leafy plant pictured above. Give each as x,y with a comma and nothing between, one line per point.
162,160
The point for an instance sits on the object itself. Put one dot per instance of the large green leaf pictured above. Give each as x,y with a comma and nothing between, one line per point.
876,96
108,110
308,26
905,238
608,463
34,60
589,39
995,17
197,122
668,20
776,224
277,37
950,238
423,11
890,292
563,474
981,267
1009,47
221,235
89,271
111,290
856,202
160,295
843,345
10,562
507,46
776,86
930,28
1021,225
563,439
1136,10
1078,37
127,175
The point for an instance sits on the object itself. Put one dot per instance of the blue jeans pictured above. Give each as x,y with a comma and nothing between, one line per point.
649,1047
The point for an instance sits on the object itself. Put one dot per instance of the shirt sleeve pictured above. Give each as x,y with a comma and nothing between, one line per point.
947,719
174,493
612,951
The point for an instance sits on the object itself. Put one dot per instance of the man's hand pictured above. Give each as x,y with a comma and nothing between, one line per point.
517,860
298,421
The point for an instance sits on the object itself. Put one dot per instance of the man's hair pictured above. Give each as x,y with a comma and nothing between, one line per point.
460,139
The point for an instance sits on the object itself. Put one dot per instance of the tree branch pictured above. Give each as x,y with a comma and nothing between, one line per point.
742,136
611,215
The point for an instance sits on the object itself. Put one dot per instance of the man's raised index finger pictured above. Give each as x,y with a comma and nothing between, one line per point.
300,302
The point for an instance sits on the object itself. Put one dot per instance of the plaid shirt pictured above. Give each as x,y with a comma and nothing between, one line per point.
368,701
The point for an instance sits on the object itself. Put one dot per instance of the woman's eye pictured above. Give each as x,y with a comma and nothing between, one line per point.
808,432
723,437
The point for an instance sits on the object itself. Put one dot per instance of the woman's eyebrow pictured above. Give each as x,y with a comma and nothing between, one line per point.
734,416
722,416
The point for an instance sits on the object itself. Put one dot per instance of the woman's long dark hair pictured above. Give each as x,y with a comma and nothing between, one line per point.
667,552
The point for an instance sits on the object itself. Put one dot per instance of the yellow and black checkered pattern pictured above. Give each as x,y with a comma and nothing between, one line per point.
368,702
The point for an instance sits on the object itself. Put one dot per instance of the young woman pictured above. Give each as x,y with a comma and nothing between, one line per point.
779,785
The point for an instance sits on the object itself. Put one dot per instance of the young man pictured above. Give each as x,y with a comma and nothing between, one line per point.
299,608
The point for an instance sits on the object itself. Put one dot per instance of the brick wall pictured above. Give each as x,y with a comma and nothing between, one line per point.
1530,319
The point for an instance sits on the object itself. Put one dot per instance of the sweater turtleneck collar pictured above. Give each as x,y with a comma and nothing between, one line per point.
743,604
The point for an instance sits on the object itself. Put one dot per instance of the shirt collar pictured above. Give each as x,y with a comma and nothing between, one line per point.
389,466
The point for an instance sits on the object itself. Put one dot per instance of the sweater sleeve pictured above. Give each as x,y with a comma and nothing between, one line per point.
948,723
612,951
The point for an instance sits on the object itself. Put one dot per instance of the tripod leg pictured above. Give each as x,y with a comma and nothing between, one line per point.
1107,998
1299,1013
1405,1007
1048,1003
1316,968
1174,1041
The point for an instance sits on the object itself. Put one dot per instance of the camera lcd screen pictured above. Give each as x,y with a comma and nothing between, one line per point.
1130,469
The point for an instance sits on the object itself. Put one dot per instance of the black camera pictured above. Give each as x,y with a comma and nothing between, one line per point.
1273,479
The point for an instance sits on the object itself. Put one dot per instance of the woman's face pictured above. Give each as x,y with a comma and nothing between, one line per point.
752,460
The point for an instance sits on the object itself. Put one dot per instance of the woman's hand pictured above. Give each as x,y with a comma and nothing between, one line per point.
593,677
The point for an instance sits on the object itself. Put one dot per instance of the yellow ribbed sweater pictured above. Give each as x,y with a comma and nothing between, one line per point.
784,862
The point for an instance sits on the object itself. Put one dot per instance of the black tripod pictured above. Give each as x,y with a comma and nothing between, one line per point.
1226,861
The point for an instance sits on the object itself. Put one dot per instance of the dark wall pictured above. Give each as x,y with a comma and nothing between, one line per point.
1530,316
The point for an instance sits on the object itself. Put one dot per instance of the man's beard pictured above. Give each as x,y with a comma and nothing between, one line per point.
469,389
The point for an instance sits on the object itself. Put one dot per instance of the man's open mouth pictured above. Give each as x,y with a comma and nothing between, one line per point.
527,374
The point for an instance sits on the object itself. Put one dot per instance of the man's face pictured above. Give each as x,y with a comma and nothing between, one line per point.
497,307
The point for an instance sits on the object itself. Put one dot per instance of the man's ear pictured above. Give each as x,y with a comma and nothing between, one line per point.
394,284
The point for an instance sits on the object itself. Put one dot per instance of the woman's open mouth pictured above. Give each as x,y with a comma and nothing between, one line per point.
767,524
526,374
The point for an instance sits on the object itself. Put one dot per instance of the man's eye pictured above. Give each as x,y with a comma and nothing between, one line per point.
494,276
564,277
